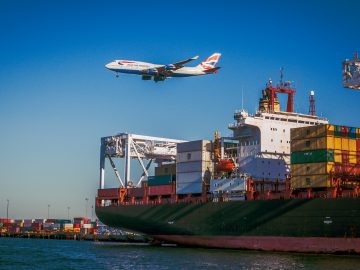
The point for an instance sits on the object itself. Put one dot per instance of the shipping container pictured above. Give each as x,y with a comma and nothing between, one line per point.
352,144
165,169
200,145
109,192
358,133
62,221
136,192
161,190
314,156
311,144
353,157
48,225
198,166
193,156
347,169
311,132
18,221
6,220
161,180
323,131
311,168
310,181
189,187
68,226
352,133
40,220
87,226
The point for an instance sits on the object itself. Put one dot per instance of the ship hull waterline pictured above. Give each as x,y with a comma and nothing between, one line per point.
315,226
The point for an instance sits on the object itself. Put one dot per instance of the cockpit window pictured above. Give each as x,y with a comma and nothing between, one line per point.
119,63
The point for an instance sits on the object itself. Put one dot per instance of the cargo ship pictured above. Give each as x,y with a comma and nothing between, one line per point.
284,181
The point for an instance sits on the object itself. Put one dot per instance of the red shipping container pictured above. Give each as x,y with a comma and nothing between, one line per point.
160,190
345,157
345,132
109,192
77,225
136,192
6,220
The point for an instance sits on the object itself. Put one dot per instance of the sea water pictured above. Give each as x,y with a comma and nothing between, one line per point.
67,254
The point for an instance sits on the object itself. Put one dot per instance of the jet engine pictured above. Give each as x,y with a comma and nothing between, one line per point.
170,67
159,78
146,77
152,71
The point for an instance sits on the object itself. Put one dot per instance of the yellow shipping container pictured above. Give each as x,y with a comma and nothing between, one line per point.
352,145
344,144
353,157
308,144
337,156
330,142
165,169
310,181
311,132
311,168
337,143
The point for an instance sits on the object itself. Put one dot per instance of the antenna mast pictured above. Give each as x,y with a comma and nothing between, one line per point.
312,103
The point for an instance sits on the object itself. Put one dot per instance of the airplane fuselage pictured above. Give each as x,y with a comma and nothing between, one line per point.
143,68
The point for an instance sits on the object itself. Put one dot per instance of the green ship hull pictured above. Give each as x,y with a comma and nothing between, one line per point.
265,225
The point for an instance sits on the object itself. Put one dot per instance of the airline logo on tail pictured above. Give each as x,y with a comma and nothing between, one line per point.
210,62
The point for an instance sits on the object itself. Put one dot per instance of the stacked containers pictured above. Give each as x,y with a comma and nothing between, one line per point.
160,185
318,150
193,160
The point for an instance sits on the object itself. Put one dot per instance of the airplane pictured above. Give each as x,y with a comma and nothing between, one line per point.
149,71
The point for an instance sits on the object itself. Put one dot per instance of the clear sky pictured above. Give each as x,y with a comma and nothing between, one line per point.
57,99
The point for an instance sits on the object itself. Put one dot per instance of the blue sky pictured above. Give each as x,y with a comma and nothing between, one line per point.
57,99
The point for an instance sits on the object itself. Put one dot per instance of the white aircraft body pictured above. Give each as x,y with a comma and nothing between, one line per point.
162,72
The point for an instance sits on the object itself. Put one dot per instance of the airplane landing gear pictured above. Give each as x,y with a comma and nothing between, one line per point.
117,75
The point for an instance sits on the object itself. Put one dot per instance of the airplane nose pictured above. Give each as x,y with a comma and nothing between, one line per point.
107,66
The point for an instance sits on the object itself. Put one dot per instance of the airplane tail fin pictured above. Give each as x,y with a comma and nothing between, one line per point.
210,62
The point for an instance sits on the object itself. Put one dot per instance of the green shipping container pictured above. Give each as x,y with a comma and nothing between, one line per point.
161,179
314,156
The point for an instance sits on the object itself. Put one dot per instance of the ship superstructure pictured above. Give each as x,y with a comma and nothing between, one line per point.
264,141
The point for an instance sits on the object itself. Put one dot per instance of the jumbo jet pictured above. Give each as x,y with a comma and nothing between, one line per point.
149,71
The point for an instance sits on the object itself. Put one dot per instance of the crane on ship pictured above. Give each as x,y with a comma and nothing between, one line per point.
351,73
133,146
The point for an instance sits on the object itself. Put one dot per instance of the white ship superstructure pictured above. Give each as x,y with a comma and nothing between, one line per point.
264,142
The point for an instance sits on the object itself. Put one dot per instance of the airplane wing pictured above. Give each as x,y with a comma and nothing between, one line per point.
181,63
164,69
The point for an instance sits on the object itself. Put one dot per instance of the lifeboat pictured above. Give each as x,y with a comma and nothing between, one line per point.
225,165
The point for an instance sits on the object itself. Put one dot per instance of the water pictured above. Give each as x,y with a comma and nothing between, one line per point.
61,254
